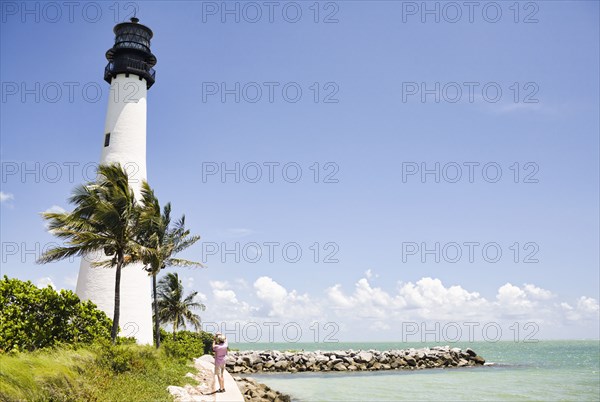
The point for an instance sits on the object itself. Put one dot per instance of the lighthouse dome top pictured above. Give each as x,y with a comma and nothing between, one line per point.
132,35
131,52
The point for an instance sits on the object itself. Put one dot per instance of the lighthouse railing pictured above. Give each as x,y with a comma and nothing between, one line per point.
128,65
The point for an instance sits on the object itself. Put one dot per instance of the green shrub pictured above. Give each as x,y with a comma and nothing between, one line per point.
122,358
186,345
34,318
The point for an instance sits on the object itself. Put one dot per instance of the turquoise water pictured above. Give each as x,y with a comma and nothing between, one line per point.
542,371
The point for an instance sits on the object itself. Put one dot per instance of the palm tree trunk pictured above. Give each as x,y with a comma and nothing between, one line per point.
117,312
174,327
156,321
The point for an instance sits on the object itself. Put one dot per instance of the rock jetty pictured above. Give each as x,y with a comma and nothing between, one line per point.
255,391
350,360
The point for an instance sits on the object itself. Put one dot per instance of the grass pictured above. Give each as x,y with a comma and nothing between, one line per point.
96,373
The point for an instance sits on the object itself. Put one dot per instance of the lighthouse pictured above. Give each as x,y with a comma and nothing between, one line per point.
130,75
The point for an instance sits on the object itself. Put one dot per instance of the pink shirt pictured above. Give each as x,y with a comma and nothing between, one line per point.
220,353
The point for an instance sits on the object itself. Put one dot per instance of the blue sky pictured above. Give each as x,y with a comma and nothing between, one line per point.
387,75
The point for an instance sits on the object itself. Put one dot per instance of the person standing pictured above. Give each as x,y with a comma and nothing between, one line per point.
220,348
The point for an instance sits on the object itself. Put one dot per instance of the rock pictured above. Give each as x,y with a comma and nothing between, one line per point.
478,359
336,361
254,359
364,357
470,352
177,392
410,361
340,367
401,362
322,359
282,365
255,391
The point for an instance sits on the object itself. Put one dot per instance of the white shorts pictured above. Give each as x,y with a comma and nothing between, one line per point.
219,369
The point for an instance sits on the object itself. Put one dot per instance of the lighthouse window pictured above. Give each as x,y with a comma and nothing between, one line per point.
107,139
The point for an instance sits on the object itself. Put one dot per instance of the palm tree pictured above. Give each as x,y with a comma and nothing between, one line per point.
174,307
104,219
162,242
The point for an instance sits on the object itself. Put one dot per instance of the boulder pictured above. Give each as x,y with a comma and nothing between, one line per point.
410,361
282,365
478,359
348,360
363,357
178,392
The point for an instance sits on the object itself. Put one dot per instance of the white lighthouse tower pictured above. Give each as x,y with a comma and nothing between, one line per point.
130,75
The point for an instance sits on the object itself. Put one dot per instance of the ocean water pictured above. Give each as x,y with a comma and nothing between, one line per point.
541,371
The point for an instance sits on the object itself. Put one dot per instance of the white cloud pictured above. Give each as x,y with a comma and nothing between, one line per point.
219,284
6,196
281,303
586,309
365,307
45,282
537,293
55,209
512,297
369,274
433,297
241,283
225,296
588,305
225,304
428,298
